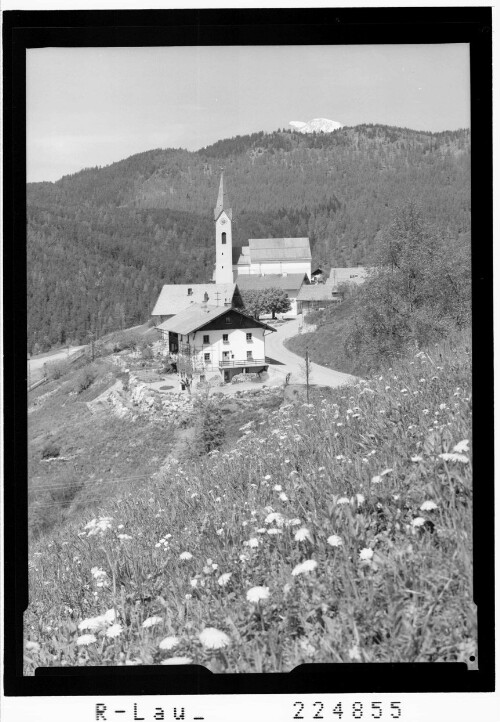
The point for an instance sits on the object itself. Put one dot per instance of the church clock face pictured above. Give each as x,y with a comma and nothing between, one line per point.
223,221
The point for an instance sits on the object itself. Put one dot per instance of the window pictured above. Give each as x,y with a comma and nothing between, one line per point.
206,339
249,336
206,356
249,354
225,338
228,319
224,239
190,291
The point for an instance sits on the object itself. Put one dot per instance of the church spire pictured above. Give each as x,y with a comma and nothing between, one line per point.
222,200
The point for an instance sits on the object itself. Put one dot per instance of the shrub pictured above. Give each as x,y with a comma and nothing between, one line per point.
147,353
58,369
124,377
85,379
50,450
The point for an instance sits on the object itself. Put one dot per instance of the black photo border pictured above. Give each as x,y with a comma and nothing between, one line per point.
34,29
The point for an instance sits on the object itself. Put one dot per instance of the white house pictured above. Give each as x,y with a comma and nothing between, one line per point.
217,341
265,256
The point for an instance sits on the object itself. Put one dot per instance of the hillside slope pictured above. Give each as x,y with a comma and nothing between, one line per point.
101,242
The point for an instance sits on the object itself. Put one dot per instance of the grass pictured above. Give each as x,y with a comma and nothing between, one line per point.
351,516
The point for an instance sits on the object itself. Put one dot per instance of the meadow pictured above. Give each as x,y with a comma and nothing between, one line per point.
334,531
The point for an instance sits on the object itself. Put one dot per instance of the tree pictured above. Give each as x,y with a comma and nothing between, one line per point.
254,303
276,301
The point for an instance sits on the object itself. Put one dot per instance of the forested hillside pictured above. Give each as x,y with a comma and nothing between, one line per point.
101,242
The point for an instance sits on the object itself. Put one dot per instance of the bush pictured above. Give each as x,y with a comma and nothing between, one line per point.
58,369
211,432
124,377
85,379
50,450
147,353
126,340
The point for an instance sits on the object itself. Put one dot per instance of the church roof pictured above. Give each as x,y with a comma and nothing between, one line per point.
174,298
279,249
291,282
198,316
222,201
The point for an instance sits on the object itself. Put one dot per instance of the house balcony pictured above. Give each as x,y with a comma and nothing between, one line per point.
232,363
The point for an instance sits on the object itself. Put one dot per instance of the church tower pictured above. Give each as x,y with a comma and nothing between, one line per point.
223,215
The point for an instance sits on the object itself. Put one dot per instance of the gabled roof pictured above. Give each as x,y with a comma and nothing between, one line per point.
222,201
292,282
353,274
279,249
318,291
199,315
174,298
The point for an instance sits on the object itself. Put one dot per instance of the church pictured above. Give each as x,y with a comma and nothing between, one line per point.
283,263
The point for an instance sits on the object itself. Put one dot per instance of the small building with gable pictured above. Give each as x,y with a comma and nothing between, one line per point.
216,341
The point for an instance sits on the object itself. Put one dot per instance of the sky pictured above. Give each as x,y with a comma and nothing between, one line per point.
94,106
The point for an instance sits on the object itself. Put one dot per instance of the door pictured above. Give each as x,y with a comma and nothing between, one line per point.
226,376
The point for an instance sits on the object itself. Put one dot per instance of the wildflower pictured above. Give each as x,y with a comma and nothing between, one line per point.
425,411
283,496
98,573
428,506
100,525
274,531
86,639
32,646
177,660
114,630
186,556
252,543
302,534
308,566
334,541
275,516
343,500
93,623
365,555
257,594
219,532
416,459
169,642
212,638
193,582
360,499
109,616
151,621
355,654
462,446
223,579
277,487
454,457
267,477
418,521
293,522
124,537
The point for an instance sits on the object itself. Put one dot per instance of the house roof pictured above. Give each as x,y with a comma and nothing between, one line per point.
241,255
222,201
174,298
291,282
318,291
353,274
198,316
279,249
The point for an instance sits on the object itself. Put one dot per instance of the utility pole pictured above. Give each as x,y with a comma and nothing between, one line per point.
307,374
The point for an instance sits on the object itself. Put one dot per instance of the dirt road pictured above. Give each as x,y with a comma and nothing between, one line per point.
284,361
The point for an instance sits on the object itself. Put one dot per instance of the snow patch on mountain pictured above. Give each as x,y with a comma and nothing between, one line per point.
316,125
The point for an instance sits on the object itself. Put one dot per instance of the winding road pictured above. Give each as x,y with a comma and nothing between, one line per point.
284,361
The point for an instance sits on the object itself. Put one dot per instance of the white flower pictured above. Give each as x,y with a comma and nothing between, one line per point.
219,532
418,521
343,500
169,642
454,457
277,487
257,594
461,446
416,459
93,623
355,654
186,556
224,578
32,646
267,477
114,630
283,496
98,573
86,639
428,505
293,522
275,516
252,543
151,621
302,534
360,499
177,660
365,554
334,540
274,531
212,638
193,582
308,566
124,537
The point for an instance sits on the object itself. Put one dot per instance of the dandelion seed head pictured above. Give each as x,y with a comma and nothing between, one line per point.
212,638
169,642
366,554
224,578
302,534
185,556
334,540
114,631
257,594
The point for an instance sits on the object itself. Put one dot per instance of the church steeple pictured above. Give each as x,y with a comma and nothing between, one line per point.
223,237
222,201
